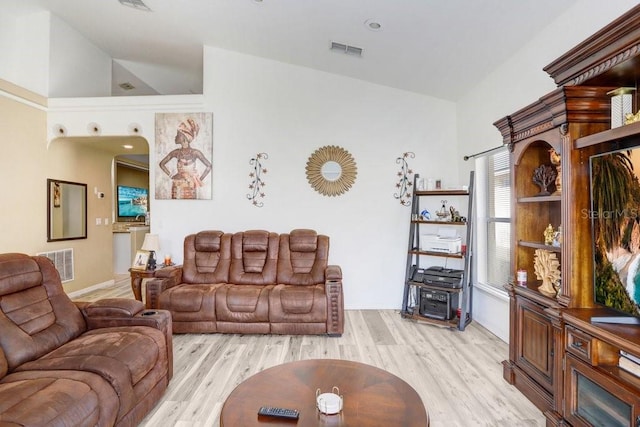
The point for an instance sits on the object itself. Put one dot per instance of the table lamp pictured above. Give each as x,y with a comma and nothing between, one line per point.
152,244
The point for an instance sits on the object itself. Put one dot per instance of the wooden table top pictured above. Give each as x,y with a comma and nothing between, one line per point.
372,396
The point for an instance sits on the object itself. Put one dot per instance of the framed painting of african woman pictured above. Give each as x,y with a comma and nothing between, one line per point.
184,153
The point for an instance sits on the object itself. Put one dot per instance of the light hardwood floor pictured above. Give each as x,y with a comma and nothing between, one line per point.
457,374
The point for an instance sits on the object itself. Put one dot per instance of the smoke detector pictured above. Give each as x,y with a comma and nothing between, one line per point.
136,4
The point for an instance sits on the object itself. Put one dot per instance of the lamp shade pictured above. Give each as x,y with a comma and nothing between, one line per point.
151,242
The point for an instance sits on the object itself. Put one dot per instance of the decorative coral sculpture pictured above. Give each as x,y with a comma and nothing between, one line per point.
547,268
543,177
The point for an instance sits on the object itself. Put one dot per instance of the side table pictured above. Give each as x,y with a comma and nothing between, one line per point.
136,280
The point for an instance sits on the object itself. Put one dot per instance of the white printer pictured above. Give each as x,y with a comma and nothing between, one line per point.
445,241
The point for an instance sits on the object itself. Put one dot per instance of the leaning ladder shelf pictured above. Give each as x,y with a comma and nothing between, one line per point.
416,256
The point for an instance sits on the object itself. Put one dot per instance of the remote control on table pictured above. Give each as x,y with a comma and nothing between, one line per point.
279,412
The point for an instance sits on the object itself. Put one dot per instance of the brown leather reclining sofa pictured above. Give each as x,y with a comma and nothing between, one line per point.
252,282
75,364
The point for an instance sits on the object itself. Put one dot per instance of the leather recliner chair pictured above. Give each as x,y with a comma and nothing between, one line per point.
76,364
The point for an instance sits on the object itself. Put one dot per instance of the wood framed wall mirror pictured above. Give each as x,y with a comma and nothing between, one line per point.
331,170
66,210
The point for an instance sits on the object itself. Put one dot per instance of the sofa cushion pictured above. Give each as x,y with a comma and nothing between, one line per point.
36,316
291,303
72,398
190,302
242,303
302,258
254,256
207,256
303,240
121,355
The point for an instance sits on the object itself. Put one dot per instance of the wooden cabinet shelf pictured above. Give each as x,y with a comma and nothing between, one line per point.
540,199
537,245
618,135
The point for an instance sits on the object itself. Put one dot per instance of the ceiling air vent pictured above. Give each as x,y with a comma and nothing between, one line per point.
345,48
126,86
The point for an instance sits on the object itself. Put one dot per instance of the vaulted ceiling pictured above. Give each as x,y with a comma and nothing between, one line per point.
439,48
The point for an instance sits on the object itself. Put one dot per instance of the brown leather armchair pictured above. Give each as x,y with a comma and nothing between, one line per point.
86,364
252,282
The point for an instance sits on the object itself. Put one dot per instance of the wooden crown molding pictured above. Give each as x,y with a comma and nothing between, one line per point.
608,48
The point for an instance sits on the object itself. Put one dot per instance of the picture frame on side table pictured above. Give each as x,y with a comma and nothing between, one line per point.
141,260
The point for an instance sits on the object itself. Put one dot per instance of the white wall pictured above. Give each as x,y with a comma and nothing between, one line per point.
24,46
77,67
288,112
43,54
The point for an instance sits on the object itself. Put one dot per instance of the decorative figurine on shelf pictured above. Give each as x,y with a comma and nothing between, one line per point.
631,118
442,213
557,237
548,235
543,177
556,160
455,215
547,268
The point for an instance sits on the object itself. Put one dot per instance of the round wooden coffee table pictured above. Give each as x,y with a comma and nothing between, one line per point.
372,396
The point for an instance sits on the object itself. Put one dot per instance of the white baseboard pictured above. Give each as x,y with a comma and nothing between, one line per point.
76,294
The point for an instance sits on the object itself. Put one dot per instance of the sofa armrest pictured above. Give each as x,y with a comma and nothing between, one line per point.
333,272
165,278
174,272
335,300
111,307
122,312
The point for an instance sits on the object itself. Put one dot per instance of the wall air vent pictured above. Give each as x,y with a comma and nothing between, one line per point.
136,4
345,48
126,86
63,260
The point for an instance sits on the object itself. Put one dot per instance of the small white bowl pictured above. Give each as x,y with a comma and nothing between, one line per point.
329,403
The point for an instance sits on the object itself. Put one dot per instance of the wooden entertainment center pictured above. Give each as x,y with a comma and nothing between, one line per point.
563,362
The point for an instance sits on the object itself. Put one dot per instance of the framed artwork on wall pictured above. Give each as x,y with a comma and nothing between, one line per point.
184,149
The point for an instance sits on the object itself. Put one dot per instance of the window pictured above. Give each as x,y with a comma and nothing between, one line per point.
493,235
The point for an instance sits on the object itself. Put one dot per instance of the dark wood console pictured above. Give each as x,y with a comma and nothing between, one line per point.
567,365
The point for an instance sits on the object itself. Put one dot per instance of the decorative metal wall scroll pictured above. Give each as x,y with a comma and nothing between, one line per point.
405,179
255,176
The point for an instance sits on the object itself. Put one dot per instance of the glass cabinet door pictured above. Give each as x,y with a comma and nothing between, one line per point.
594,399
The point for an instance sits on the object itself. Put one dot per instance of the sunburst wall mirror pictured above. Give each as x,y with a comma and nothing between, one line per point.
331,170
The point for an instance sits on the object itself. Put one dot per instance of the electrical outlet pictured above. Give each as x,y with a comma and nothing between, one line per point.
106,221
98,221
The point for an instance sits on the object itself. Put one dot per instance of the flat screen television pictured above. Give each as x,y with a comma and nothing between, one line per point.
615,219
132,201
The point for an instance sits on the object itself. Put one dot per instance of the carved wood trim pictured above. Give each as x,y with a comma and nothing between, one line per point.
617,42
